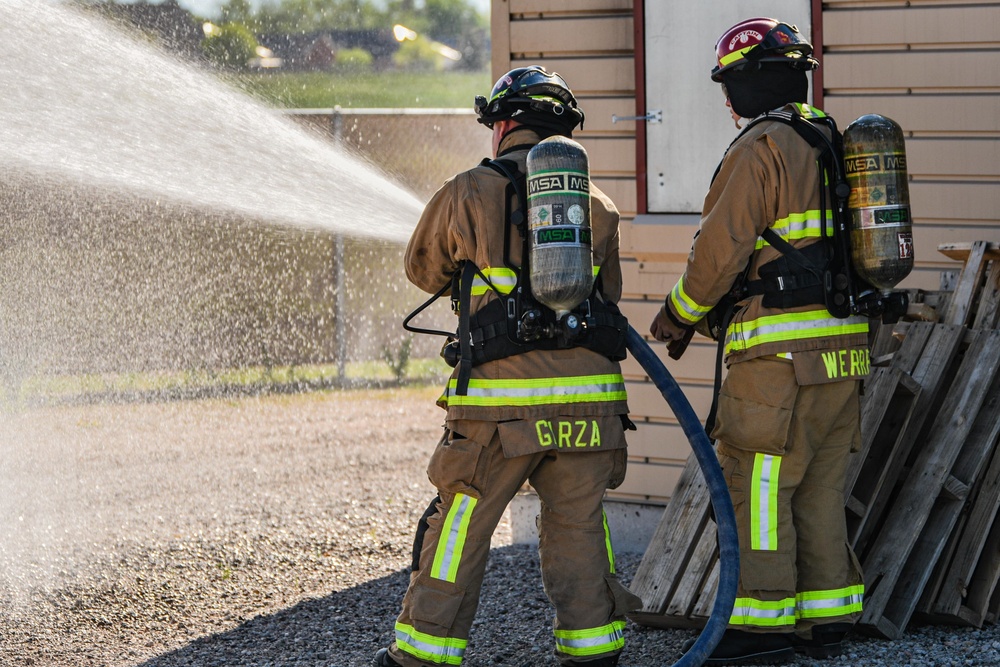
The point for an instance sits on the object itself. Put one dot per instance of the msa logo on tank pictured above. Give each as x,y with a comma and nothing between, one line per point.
562,182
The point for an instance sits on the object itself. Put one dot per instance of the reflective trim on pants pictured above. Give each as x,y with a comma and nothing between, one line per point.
764,502
422,646
608,638
763,613
452,541
825,604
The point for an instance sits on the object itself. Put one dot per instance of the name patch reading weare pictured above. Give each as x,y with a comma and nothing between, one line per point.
846,364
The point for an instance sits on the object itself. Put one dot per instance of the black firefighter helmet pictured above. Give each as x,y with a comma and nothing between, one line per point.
534,97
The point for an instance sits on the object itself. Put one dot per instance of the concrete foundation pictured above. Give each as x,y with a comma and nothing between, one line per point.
631,524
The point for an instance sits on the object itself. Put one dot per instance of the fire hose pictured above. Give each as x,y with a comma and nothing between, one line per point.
725,517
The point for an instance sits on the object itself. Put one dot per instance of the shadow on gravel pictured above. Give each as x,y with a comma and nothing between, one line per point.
345,628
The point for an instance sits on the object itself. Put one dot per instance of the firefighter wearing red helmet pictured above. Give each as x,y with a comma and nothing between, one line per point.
554,418
788,411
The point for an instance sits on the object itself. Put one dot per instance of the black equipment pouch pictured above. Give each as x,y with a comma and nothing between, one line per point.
797,278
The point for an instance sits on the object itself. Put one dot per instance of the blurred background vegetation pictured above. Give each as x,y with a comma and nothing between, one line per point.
326,53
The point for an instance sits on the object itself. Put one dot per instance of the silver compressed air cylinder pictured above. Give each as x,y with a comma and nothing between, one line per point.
561,254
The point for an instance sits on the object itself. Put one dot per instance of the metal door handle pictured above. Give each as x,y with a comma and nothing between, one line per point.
653,116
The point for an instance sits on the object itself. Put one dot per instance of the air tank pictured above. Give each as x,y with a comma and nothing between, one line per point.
561,256
881,228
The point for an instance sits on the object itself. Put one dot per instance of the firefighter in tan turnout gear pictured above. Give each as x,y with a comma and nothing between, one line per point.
546,411
788,411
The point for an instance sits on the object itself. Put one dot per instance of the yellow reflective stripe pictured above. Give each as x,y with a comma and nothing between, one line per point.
593,641
734,56
687,308
825,604
808,111
791,326
501,279
799,226
764,502
607,542
451,543
539,391
437,650
763,613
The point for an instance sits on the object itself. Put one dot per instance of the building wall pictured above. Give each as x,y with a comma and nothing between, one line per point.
931,66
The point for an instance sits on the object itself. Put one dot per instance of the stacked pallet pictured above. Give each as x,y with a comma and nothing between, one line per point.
921,497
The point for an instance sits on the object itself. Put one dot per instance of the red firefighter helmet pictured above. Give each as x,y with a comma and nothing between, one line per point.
762,40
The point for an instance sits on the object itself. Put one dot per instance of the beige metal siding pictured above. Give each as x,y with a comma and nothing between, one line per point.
933,68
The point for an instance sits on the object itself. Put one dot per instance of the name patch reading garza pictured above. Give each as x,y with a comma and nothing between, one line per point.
558,182
559,434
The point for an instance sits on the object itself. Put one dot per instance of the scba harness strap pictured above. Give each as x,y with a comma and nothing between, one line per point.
498,330
819,273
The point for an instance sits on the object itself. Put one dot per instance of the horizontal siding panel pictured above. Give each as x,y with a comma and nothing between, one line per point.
599,111
639,283
925,25
572,35
621,190
645,400
648,483
697,364
912,69
954,201
927,238
953,157
664,243
922,113
609,155
660,443
569,6
614,75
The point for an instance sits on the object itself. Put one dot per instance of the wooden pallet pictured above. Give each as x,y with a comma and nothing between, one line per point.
914,533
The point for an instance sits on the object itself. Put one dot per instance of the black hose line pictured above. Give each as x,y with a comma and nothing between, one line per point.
725,517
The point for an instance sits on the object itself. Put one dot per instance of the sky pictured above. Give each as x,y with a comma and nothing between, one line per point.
210,8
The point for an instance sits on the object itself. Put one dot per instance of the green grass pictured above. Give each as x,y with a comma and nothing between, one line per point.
320,90
68,387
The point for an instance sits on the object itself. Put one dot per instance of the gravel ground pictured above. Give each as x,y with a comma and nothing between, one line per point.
268,531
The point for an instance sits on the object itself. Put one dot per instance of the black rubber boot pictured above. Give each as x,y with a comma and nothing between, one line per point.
827,641
383,659
609,661
750,648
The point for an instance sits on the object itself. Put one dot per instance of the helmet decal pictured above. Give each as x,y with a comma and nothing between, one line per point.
759,40
744,37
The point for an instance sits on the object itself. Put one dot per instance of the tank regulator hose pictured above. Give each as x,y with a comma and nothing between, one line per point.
725,517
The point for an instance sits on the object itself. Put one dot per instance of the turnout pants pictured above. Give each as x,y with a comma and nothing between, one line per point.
476,483
784,450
